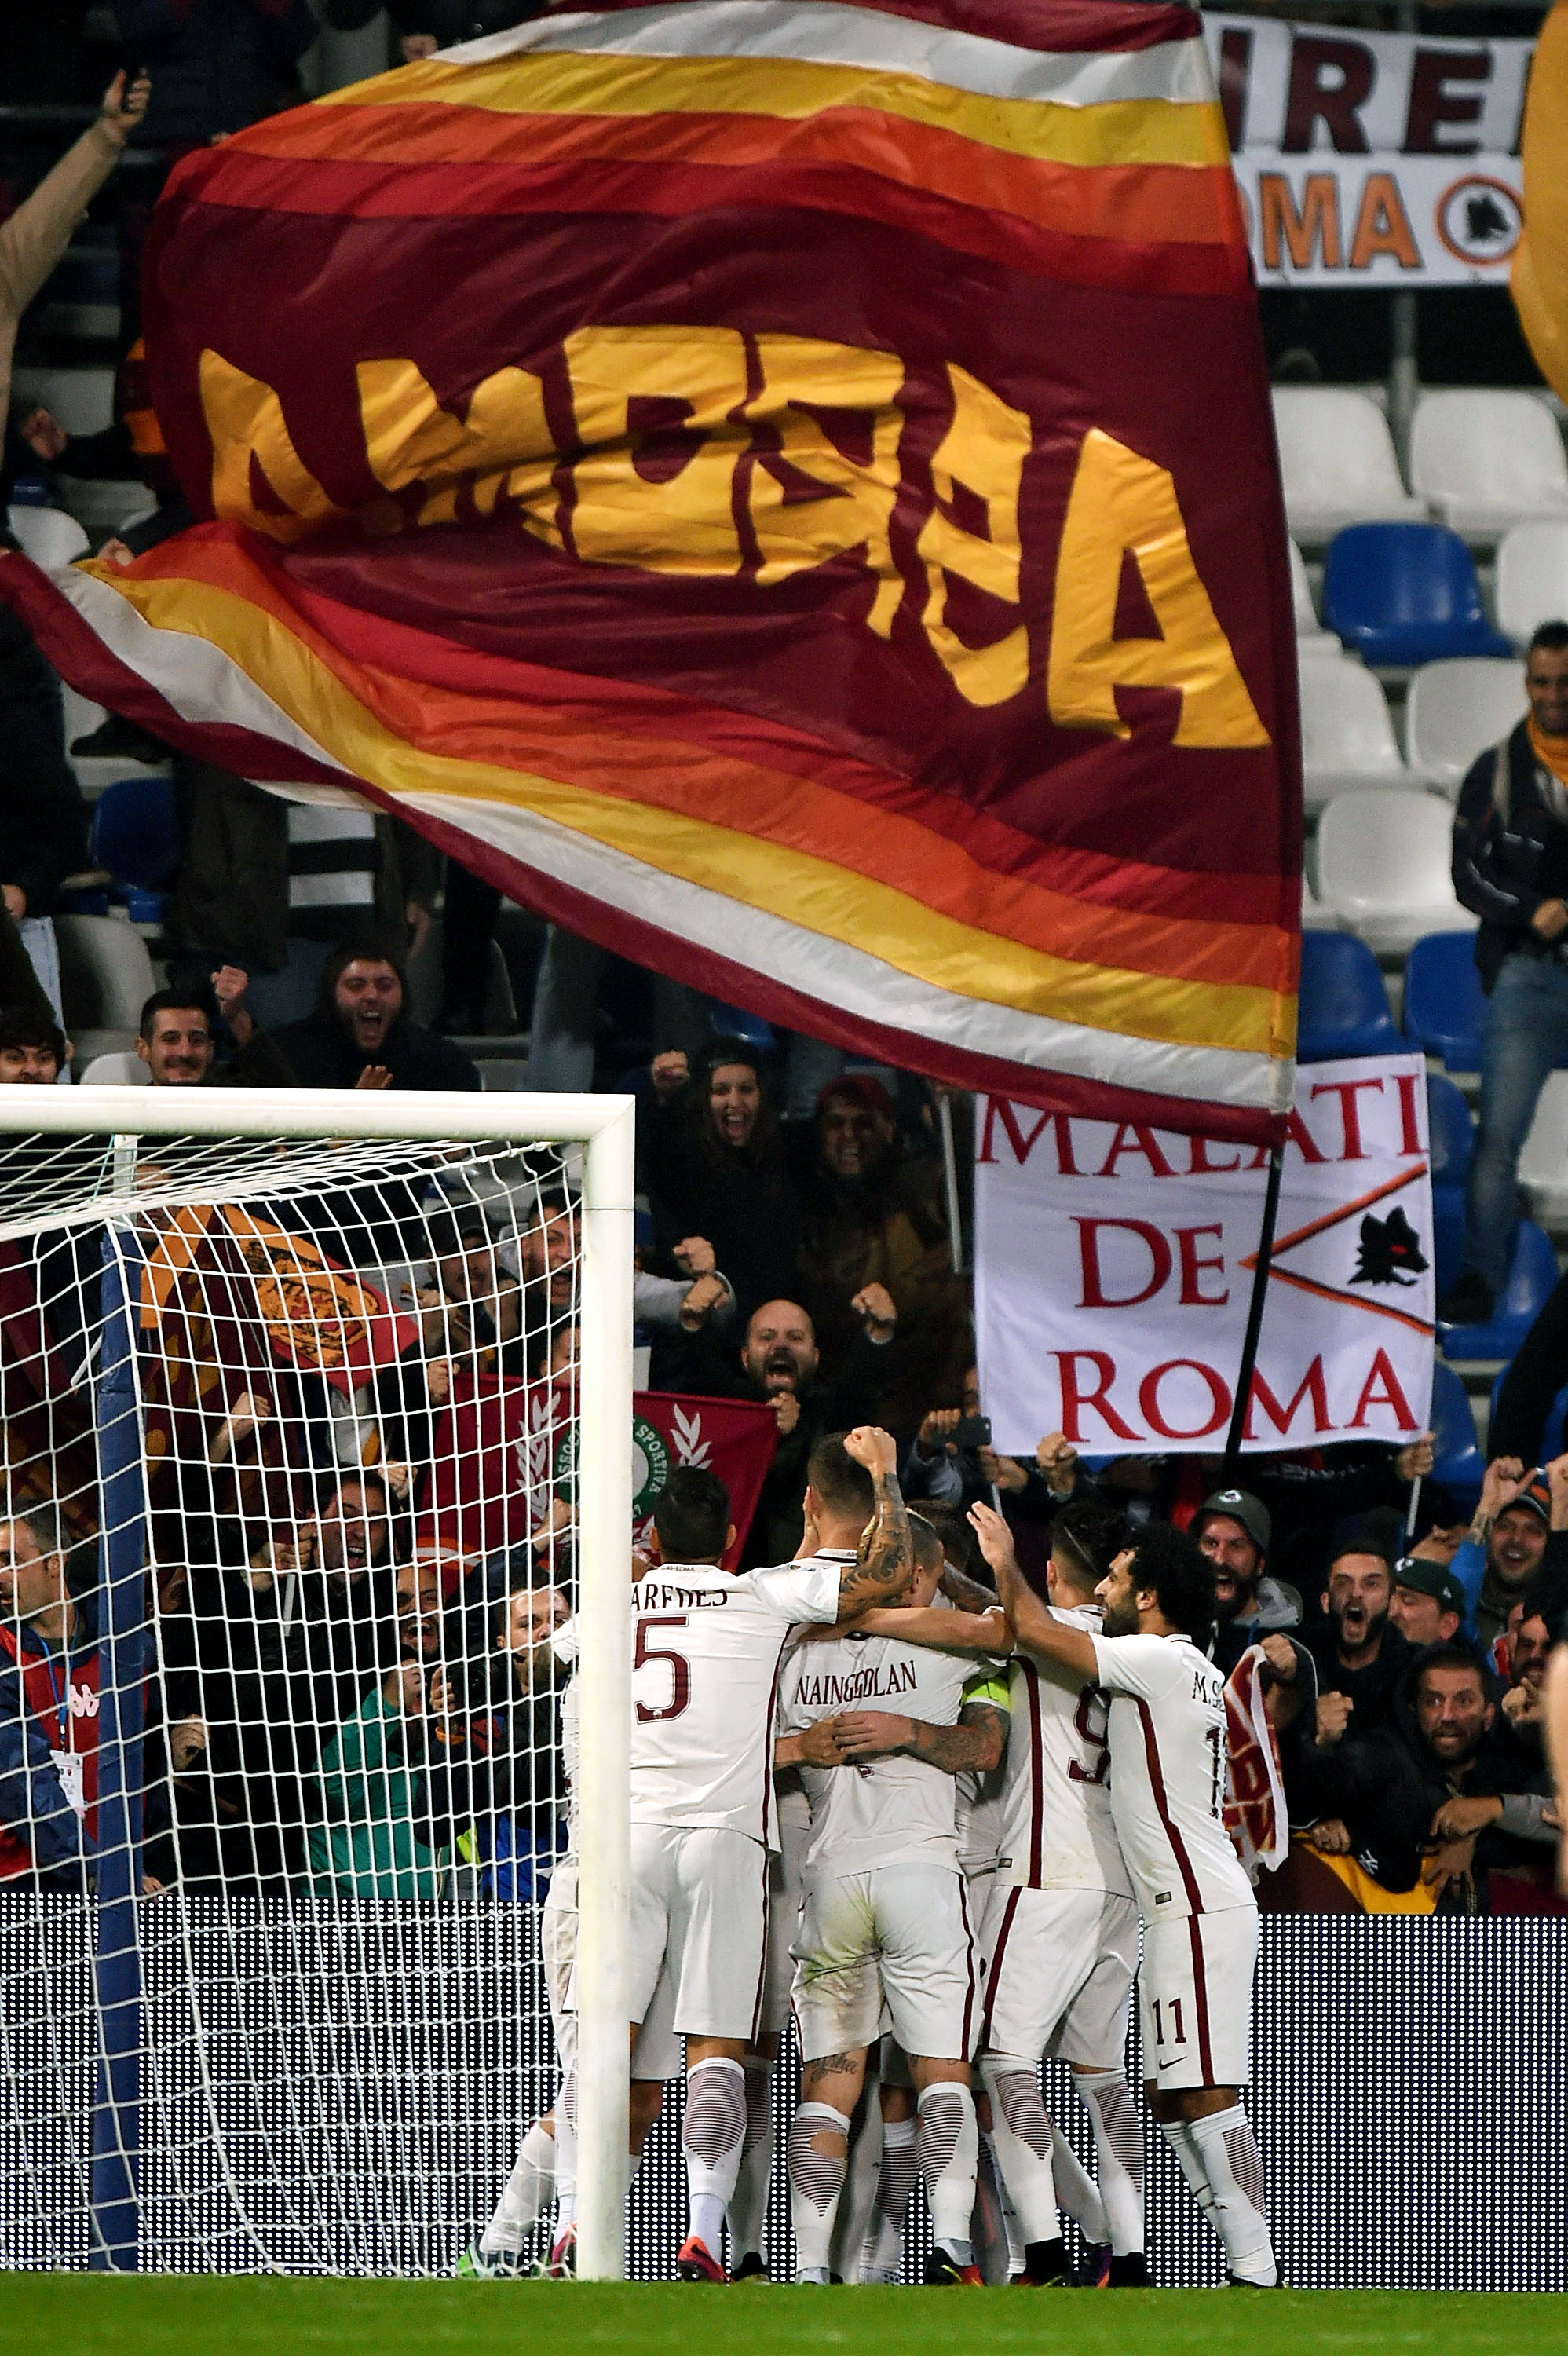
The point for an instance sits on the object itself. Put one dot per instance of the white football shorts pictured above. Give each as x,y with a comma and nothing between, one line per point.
896,1937
700,1916
1194,1999
558,1953
1059,1974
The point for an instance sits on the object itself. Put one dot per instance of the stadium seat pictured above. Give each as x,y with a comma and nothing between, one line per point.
1555,1429
49,536
82,398
1488,459
1532,1273
1317,913
1457,1461
136,840
1337,461
1343,1006
1456,710
1445,1006
122,1069
1347,735
733,1023
1313,642
106,978
1543,1163
499,1010
1383,861
1453,1137
1402,594
1532,579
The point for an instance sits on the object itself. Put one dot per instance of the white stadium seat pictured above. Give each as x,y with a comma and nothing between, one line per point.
1316,915
1543,1163
1456,710
1336,457
1532,579
1312,640
106,978
81,399
123,1069
1487,460
1347,735
1382,862
48,535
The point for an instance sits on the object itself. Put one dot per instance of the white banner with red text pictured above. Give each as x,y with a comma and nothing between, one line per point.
1373,158
1113,1267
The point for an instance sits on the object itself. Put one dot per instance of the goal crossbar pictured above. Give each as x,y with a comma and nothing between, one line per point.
604,1127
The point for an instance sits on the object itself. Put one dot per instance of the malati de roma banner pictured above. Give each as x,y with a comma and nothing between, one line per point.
786,488
1114,1263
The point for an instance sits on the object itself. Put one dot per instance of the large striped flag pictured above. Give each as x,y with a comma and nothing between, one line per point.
787,489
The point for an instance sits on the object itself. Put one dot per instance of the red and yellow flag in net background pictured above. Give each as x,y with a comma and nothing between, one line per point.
785,488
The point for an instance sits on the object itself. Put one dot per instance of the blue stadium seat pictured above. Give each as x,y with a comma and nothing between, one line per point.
1453,1136
1532,1273
1344,1007
1445,1007
733,1023
135,833
1404,593
1457,1460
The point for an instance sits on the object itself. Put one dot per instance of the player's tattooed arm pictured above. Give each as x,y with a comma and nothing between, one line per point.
884,1561
973,1746
941,1631
1034,1625
967,1593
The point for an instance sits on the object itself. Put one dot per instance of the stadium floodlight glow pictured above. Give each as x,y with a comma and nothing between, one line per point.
262,1216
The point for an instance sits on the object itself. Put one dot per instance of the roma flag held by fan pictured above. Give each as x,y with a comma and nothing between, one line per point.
787,489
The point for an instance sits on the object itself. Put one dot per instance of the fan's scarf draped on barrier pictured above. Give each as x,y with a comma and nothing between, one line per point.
787,489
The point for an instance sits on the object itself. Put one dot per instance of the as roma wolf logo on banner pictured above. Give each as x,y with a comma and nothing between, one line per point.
787,490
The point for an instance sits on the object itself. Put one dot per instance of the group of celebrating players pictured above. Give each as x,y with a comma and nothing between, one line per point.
933,1822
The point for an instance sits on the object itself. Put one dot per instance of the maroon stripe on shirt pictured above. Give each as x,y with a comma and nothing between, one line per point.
1156,1785
1200,1997
994,1977
1037,1773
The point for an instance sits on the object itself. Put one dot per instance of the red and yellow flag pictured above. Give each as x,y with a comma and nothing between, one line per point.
787,489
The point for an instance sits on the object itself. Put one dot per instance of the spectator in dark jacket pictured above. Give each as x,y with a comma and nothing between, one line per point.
48,1658
177,1043
1511,866
217,65
1429,1797
713,1165
359,1036
1360,1657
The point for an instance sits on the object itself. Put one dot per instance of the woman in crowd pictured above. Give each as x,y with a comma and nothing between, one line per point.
714,1166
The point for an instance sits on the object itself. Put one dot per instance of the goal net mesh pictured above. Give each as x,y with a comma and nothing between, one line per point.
287,1557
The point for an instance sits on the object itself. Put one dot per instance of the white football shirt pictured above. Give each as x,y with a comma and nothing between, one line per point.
890,1811
1168,1761
1057,1826
705,1671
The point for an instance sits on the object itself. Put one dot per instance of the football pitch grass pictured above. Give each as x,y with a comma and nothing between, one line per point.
93,2315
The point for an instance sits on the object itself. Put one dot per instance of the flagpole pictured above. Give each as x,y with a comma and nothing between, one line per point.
1255,1313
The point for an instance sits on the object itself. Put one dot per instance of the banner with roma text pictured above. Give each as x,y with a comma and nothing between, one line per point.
1113,1266
784,488
1373,159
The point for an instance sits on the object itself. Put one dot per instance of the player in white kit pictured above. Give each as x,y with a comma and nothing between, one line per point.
884,1920
708,1656
1167,1738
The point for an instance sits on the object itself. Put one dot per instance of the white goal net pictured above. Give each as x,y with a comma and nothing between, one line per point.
315,1415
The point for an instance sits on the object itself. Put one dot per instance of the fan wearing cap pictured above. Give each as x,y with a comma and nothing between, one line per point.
874,1219
1233,1529
1503,1550
1428,1603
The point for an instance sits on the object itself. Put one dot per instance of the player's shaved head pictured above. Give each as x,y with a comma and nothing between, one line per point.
844,1487
928,1549
1085,1538
692,1515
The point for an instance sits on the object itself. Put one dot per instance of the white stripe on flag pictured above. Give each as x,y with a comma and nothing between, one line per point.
816,32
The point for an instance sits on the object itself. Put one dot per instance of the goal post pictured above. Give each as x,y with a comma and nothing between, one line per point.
124,1175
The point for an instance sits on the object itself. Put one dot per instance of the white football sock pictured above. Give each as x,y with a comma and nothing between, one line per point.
1022,2137
884,2251
711,2139
1119,2154
528,2186
1234,2167
818,2157
989,2231
749,2202
566,2154
1179,2136
947,2142
858,2201
1076,2190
